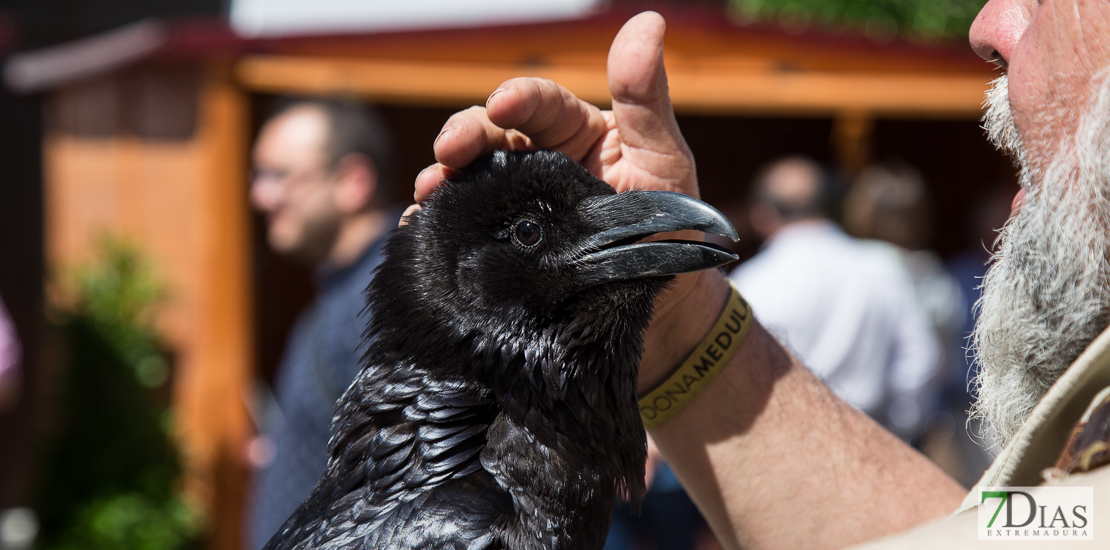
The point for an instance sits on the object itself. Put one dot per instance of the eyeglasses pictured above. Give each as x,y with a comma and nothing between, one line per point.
282,179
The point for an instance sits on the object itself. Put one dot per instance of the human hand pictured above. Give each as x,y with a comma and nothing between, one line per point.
636,145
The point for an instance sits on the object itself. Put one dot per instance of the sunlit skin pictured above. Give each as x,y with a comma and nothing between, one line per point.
1051,51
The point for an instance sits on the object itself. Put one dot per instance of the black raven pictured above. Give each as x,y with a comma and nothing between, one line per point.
497,407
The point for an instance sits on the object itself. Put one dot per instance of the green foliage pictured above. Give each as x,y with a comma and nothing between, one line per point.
132,520
119,295
110,469
915,19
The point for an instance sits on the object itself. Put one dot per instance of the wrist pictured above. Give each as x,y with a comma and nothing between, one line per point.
685,316
709,359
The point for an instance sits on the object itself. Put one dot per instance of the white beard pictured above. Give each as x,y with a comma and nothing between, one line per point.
1047,294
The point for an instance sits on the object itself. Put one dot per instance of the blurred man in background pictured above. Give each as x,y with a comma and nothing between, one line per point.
846,310
323,177
889,206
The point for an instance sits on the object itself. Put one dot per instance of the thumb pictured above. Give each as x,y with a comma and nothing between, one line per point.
638,84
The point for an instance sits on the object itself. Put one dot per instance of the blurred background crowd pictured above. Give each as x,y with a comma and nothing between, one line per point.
194,193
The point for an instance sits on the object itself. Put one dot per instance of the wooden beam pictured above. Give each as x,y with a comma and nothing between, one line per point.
404,82
213,409
695,87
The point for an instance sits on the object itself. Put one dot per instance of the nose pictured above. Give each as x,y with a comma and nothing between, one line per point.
265,193
998,28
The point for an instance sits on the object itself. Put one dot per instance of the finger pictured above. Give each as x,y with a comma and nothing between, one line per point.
412,209
549,114
641,104
606,151
638,83
430,178
469,134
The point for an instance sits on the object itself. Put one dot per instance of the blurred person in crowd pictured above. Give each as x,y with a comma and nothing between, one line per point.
323,177
11,355
889,207
848,313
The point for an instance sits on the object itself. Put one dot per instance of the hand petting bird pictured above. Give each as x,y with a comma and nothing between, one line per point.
498,407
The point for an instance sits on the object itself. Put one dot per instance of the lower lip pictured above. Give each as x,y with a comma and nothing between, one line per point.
1018,199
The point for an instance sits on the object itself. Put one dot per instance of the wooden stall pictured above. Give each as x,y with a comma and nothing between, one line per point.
149,128
147,140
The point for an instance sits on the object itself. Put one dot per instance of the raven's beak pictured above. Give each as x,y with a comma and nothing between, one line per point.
613,254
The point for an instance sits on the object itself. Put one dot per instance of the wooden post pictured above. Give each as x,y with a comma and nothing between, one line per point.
214,419
851,139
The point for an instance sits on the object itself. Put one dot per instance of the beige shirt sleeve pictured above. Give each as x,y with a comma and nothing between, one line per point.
960,531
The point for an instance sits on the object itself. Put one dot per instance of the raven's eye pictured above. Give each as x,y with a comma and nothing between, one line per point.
528,233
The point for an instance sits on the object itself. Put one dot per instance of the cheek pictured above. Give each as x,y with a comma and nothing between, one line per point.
283,230
300,213
311,206
1027,100
1048,84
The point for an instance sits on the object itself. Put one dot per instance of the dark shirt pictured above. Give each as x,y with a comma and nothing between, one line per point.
323,356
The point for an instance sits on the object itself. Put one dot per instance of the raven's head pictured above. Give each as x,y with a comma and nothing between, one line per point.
519,238
529,269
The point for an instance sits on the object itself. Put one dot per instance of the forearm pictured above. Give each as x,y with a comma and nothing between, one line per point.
774,459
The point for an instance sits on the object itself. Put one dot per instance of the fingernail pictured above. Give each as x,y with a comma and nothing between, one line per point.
444,131
408,212
416,191
495,92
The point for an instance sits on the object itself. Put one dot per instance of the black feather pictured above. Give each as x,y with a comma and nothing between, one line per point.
497,407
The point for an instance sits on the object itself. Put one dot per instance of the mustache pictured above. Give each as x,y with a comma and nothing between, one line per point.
998,120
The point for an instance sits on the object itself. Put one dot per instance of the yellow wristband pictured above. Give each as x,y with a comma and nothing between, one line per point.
702,366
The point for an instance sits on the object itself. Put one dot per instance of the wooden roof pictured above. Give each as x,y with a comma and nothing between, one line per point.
713,65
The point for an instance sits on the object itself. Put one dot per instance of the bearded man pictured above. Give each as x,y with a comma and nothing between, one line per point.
323,177
772,458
